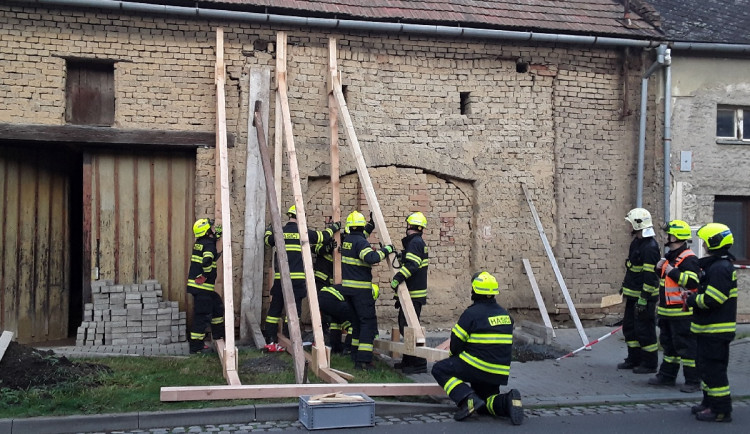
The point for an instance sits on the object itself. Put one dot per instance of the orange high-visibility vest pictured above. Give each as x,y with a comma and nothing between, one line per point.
672,290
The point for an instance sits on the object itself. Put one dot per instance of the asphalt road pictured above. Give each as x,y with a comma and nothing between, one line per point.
662,422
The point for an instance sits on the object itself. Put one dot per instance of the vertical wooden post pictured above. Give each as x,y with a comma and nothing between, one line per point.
223,216
281,259
333,124
255,213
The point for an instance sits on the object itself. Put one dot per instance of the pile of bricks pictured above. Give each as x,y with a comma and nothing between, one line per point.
130,314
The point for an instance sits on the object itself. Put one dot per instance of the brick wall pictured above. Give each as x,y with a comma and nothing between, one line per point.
557,127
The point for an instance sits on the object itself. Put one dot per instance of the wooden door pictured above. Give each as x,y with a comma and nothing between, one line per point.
34,242
140,208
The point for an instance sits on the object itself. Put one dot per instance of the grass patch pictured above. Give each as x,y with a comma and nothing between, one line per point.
134,384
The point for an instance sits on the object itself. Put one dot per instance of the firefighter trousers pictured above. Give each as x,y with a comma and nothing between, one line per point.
365,324
712,362
273,317
208,309
679,345
639,330
453,374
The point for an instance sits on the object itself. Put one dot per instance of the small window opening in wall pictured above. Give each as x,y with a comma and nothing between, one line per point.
465,104
522,67
345,91
90,92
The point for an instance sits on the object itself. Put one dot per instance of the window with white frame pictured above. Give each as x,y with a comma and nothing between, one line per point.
732,124
734,211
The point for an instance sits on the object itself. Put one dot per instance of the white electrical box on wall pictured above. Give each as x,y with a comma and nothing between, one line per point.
686,161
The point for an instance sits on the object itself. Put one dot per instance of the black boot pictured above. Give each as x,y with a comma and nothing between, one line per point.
661,380
468,406
709,416
514,407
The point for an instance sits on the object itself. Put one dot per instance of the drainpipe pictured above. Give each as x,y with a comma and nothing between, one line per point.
660,61
667,130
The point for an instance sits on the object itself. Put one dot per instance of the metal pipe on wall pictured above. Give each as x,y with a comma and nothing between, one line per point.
667,130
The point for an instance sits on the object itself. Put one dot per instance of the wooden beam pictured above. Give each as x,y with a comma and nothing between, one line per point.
230,375
411,315
333,127
5,339
255,214
281,258
299,201
431,354
259,391
611,300
555,268
229,359
538,296
106,136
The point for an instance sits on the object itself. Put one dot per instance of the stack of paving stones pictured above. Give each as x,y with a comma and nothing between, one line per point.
131,317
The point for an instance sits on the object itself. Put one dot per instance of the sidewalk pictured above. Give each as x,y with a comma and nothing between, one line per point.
589,377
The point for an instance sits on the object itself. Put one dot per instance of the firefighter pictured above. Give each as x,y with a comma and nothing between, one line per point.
480,352
296,271
715,322
324,279
324,258
413,271
679,277
333,304
357,259
207,305
641,290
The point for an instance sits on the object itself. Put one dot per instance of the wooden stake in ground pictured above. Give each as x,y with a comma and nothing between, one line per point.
281,258
555,268
5,339
229,353
255,214
414,328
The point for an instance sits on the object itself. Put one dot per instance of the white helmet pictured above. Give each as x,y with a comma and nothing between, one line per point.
640,218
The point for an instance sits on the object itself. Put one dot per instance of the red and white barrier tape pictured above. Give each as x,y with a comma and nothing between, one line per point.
590,343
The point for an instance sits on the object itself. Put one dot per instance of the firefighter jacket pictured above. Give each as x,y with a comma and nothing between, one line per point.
682,278
324,258
641,280
294,249
483,338
715,304
203,263
357,258
414,263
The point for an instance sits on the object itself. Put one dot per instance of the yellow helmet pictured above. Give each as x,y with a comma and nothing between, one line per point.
716,236
640,218
484,283
679,229
292,211
417,219
375,291
201,227
354,220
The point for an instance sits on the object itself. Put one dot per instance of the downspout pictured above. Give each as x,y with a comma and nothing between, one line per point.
667,129
660,61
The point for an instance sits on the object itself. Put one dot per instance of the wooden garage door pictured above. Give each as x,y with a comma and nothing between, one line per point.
34,243
141,210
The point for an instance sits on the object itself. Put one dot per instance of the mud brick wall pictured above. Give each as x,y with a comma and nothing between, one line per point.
130,315
449,127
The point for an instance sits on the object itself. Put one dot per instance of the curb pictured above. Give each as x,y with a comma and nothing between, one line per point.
213,416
